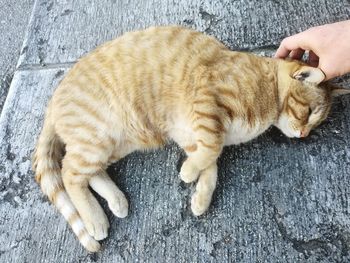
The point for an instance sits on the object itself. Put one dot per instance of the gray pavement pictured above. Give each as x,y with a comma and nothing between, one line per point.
278,200
14,19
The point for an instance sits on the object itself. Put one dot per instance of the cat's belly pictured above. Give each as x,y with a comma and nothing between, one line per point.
240,132
181,132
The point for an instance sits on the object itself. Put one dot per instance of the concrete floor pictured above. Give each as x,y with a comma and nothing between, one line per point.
278,200
14,19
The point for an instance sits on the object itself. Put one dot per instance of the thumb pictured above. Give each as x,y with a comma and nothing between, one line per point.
328,69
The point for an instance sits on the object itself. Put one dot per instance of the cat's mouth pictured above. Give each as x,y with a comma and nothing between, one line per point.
292,133
287,129
298,133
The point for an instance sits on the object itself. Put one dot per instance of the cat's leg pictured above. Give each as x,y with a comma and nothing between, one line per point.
188,177
209,144
208,133
191,168
77,169
205,187
106,188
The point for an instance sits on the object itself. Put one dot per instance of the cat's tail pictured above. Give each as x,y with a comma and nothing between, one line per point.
47,167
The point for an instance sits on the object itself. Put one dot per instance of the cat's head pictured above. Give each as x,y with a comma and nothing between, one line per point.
304,101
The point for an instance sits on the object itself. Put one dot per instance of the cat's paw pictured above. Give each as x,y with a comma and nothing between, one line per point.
91,244
189,173
96,224
119,206
199,203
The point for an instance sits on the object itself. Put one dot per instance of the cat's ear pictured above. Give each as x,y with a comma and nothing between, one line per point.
309,74
337,91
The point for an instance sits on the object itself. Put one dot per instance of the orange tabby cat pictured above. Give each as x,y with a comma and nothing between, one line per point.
146,87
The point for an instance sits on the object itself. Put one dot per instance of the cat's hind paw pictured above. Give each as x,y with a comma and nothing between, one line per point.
189,173
97,225
119,206
91,244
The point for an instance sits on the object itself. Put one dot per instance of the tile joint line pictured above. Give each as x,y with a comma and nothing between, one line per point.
31,67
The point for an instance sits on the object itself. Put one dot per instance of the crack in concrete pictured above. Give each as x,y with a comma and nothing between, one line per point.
302,246
333,243
333,237
210,19
222,242
33,67
5,84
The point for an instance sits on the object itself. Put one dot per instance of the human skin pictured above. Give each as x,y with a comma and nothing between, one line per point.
328,47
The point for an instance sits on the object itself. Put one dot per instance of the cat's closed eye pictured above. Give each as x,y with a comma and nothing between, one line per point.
310,111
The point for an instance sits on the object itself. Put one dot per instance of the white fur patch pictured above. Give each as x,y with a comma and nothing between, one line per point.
85,239
98,183
284,125
64,205
78,226
49,184
104,187
240,132
181,132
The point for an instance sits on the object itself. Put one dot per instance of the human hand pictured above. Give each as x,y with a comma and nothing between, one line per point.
328,47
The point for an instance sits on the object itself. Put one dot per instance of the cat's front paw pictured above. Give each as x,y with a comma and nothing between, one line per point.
119,206
199,203
189,173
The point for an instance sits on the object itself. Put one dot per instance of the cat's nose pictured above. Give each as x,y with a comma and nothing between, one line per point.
304,133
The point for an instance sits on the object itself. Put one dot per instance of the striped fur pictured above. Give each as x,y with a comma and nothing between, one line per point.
146,87
46,163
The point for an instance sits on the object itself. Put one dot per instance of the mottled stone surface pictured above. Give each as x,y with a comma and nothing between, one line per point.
278,200
61,32
14,18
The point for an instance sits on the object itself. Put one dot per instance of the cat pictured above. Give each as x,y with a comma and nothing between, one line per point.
147,87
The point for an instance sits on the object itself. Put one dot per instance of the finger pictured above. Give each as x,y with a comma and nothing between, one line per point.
297,53
313,59
282,52
286,47
291,43
327,69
